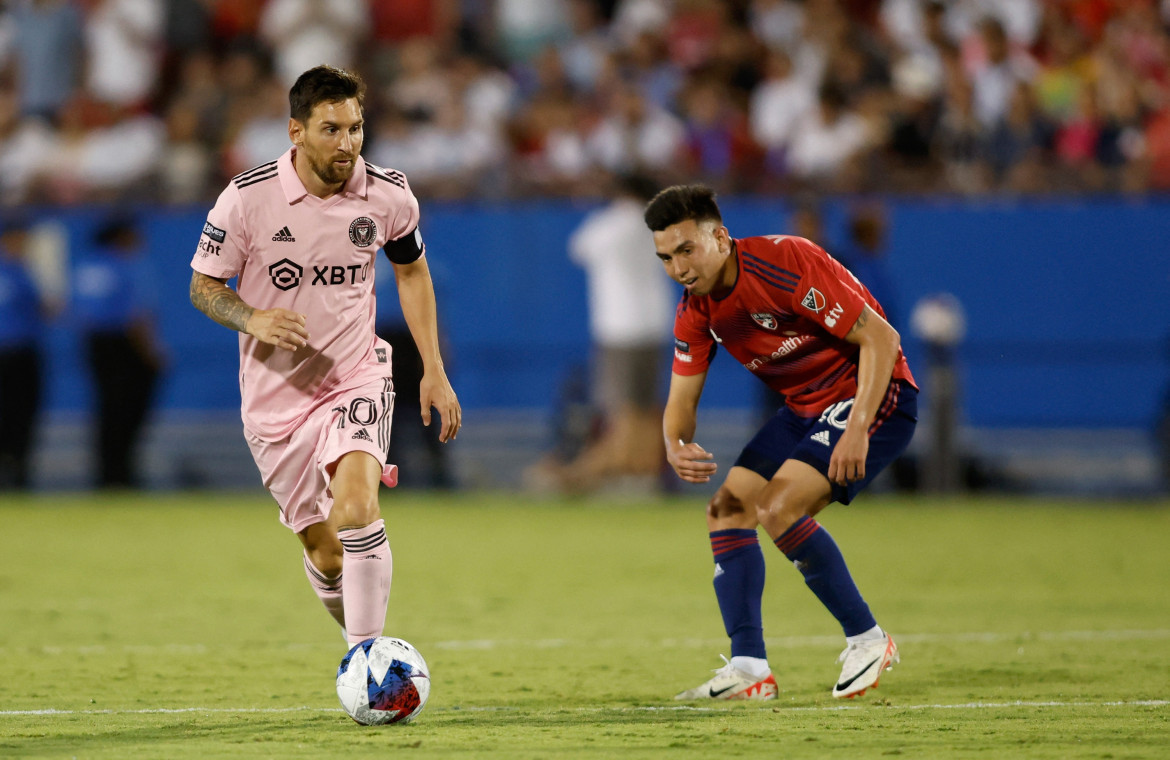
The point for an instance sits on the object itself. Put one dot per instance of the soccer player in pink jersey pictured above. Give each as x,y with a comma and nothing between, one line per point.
300,235
801,323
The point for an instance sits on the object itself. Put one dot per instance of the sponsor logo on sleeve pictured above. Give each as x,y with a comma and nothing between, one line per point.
213,232
685,358
834,313
381,354
813,300
682,345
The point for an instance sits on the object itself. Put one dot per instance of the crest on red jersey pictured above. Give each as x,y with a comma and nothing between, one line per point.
764,320
814,300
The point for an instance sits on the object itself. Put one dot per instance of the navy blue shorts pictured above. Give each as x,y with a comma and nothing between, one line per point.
811,439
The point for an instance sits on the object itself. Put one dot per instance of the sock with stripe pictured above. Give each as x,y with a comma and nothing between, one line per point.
815,554
739,587
328,590
366,569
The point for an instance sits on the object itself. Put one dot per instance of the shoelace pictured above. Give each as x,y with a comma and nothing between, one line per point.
727,666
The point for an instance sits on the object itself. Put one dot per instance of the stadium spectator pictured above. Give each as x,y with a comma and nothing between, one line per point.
827,443
629,324
1094,73
636,135
304,33
47,37
113,308
21,313
779,105
123,45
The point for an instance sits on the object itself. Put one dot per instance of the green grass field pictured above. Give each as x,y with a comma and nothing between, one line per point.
160,626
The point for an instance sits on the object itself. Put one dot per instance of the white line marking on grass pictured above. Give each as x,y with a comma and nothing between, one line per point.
601,708
790,642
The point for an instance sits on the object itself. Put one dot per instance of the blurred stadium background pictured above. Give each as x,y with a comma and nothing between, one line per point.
1015,152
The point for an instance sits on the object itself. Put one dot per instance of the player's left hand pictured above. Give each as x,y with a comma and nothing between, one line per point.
436,391
847,464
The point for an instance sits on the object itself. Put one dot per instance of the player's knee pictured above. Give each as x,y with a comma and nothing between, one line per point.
356,511
724,504
326,556
779,511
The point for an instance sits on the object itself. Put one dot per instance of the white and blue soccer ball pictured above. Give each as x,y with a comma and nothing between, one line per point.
383,680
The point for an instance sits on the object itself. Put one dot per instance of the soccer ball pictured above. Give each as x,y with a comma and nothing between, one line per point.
383,680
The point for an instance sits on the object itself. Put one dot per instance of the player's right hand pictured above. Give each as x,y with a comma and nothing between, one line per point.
278,327
691,462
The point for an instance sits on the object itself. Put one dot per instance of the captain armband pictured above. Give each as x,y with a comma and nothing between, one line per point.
405,249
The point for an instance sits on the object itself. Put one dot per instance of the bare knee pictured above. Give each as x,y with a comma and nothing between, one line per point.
777,514
323,549
355,511
725,510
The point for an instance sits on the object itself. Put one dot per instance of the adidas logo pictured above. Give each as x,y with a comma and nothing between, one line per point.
718,570
822,437
284,236
360,435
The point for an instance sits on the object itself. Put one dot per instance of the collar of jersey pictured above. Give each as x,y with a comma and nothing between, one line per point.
294,189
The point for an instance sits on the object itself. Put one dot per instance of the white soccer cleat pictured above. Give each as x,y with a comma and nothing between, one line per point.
864,663
732,683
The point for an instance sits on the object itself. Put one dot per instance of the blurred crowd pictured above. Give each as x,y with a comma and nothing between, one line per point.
165,99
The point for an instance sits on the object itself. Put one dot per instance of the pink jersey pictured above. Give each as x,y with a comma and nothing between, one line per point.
293,250
785,320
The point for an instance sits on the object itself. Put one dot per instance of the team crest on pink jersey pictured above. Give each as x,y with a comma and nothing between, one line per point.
362,231
764,320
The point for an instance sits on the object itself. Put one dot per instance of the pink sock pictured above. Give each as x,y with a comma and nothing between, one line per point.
366,569
328,591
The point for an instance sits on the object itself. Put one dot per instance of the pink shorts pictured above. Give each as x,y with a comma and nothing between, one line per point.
297,470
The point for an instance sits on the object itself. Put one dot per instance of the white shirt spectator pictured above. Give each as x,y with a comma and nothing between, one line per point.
777,108
654,141
113,159
25,157
820,148
776,22
630,297
308,33
124,45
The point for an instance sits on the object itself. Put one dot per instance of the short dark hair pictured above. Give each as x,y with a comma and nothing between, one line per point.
324,84
679,203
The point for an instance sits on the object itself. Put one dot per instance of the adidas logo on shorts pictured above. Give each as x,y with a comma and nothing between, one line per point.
821,437
284,236
360,435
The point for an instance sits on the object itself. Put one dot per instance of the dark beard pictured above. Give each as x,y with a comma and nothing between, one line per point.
331,175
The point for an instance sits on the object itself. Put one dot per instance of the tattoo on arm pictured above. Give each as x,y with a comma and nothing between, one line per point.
215,299
861,321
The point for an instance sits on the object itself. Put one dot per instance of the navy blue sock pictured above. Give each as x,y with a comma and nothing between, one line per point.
816,555
739,586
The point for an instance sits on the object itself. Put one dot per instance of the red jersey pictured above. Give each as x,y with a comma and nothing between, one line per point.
785,320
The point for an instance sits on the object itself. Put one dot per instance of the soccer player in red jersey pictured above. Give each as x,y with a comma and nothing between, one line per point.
300,233
800,322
